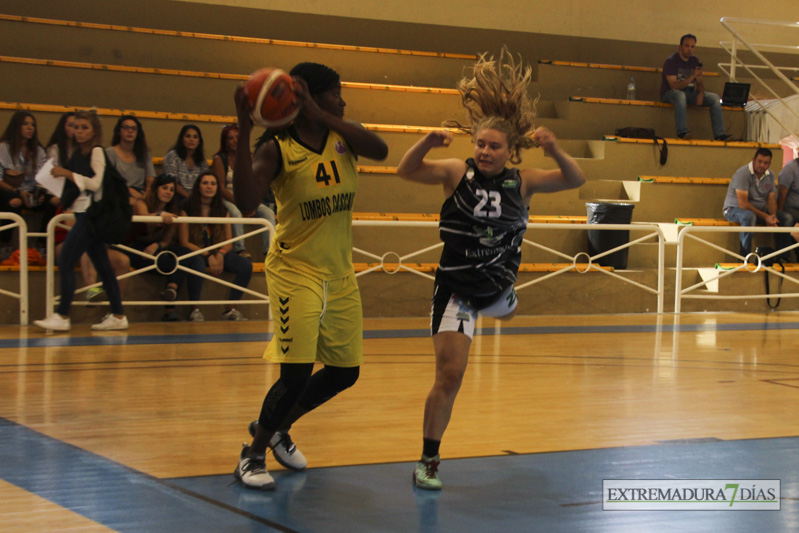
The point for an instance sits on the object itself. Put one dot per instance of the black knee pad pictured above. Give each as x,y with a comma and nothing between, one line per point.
327,383
284,394
343,378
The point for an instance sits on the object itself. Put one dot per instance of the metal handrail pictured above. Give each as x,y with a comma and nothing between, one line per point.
655,232
19,222
261,298
755,49
688,232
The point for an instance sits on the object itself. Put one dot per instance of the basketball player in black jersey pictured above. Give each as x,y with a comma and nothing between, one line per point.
483,220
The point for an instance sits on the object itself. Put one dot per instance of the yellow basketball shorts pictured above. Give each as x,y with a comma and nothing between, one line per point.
315,320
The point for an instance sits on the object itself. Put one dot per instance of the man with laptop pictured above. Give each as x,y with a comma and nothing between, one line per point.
682,84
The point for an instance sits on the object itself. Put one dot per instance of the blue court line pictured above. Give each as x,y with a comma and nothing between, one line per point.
109,493
118,340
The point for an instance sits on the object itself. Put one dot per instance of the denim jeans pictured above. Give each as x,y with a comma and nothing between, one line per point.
744,217
81,238
233,262
681,100
238,229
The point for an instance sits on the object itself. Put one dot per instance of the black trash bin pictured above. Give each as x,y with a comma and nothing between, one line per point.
603,240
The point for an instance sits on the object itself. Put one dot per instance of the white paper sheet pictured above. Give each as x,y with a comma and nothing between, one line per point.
52,183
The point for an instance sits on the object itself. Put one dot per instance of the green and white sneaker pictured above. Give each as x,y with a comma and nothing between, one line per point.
426,473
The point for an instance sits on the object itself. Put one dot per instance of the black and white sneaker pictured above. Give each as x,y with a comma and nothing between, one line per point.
285,451
251,471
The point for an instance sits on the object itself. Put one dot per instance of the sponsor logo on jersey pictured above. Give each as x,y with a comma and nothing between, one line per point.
487,237
340,148
509,184
486,252
327,206
298,161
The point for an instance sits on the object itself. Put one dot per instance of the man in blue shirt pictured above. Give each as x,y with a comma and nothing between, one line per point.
682,84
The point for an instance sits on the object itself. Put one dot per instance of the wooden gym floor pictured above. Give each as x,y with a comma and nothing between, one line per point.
141,430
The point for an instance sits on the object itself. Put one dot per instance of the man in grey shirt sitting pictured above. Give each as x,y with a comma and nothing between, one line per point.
752,197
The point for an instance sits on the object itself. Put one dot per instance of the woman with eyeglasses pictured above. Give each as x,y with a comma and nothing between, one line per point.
131,157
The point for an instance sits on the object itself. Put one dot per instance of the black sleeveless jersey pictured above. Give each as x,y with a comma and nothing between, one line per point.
482,225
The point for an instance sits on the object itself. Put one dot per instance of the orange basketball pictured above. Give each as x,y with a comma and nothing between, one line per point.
270,93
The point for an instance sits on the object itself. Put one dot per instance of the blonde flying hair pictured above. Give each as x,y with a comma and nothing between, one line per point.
495,97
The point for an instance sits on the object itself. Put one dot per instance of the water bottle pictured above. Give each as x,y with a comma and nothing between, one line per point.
631,89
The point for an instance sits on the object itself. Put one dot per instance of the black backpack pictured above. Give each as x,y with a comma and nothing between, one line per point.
111,217
646,133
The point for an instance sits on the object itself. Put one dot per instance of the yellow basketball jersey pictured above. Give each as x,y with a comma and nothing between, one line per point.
315,193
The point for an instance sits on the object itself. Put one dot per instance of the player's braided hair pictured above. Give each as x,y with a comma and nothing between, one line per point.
320,78
495,96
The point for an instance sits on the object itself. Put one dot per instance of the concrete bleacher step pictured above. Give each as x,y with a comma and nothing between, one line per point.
693,180
594,117
182,91
558,79
656,202
162,129
626,159
144,47
564,78
386,192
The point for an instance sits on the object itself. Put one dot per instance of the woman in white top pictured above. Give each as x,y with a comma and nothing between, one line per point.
85,170
60,149
21,155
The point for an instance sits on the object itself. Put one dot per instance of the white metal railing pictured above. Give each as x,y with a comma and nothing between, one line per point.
16,221
265,225
690,232
764,27
653,232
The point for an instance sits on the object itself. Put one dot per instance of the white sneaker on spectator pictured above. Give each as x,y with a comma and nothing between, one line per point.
196,316
111,322
233,314
54,322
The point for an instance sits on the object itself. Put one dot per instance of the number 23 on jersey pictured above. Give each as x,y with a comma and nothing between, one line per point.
489,204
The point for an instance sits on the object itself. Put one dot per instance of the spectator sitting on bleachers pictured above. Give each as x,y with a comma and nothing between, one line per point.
186,160
788,197
131,156
62,141
21,155
682,84
206,201
153,238
751,196
223,164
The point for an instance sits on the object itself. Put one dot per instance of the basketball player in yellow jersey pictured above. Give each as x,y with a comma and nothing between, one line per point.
311,167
